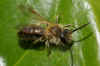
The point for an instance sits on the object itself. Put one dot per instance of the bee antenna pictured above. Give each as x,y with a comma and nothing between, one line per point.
86,37
80,27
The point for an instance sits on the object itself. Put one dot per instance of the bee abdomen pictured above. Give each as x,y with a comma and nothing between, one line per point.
31,32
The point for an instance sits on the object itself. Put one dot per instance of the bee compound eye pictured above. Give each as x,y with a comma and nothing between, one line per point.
66,30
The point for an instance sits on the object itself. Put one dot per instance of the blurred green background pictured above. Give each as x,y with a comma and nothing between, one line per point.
75,12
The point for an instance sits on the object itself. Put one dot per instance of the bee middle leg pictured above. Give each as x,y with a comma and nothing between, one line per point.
47,44
71,53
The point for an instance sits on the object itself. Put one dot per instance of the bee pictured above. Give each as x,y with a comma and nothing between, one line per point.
53,35
29,34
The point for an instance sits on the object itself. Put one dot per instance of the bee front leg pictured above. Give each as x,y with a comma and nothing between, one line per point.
47,44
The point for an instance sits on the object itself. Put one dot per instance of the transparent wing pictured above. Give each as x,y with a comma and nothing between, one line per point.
34,17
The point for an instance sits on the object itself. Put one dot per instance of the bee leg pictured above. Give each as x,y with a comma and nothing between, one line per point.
49,52
71,54
68,25
46,23
38,40
48,48
57,19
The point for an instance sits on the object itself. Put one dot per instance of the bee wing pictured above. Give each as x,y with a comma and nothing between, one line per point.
35,17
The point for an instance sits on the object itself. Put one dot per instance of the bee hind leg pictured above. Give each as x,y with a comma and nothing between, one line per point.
38,40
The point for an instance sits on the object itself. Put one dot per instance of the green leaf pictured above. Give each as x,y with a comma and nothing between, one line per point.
96,9
75,12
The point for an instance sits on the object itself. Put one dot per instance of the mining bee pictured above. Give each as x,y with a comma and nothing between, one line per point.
53,35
